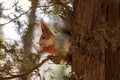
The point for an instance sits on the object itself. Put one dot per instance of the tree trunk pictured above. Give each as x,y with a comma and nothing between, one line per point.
1,33
95,48
113,41
27,39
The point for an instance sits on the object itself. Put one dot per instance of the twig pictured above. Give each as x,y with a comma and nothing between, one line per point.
11,7
22,14
15,17
28,72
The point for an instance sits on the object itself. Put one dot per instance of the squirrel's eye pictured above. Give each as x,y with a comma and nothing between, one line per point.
43,37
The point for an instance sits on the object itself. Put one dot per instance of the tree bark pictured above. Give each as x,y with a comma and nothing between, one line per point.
95,48
1,33
113,41
27,39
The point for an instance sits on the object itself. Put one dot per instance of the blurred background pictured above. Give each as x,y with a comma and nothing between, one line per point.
20,32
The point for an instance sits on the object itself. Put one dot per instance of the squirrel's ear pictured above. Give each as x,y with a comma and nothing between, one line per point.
43,26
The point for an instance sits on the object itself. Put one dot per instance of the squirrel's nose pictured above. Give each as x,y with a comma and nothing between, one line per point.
41,43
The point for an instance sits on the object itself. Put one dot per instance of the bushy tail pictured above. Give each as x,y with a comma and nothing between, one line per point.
64,28
64,39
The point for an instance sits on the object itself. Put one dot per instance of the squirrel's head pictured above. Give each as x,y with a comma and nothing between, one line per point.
46,38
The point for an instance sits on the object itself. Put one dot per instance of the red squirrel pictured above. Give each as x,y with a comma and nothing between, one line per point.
53,43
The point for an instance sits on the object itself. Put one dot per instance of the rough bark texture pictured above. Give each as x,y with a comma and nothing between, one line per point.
96,44
113,41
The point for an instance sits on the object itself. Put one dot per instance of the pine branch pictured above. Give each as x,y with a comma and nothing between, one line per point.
27,72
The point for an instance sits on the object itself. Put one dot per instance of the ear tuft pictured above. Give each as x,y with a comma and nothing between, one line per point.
45,28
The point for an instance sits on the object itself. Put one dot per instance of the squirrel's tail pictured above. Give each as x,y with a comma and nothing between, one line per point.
65,38
63,27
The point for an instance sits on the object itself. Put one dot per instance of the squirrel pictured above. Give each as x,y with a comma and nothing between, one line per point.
52,43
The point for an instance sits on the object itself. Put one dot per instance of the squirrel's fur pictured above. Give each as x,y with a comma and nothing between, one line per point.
53,43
